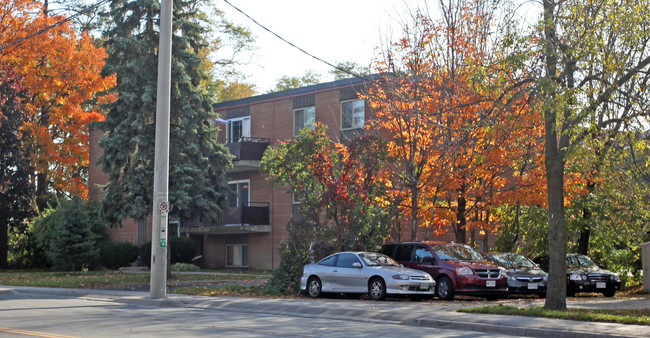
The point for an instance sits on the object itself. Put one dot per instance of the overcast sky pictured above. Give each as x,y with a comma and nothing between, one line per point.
333,30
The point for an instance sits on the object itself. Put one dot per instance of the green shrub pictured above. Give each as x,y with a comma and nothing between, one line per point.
181,249
184,267
32,248
144,251
114,255
72,241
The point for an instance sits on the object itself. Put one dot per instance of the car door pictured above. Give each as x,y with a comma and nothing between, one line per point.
324,272
346,277
424,260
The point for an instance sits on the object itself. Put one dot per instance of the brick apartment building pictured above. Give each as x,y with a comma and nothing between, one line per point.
250,233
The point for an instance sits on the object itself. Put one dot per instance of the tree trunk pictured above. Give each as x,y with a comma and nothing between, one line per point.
517,226
4,244
41,191
585,233
414,213
557,239
554,163
461,236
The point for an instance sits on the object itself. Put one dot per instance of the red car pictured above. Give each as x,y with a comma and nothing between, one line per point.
456,268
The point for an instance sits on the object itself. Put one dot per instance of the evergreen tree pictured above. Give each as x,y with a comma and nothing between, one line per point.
72,241
197,163
16,190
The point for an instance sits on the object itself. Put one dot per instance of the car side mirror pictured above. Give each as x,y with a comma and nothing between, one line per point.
427,259
356,265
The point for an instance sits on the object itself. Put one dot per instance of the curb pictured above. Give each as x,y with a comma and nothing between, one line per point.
513,330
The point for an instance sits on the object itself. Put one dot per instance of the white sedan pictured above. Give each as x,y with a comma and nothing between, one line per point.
364,272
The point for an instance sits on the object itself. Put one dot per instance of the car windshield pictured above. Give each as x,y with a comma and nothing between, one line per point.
581,261
377,259
457,252
513,261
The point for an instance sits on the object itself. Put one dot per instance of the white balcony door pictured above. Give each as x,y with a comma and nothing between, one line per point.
237,129
242,193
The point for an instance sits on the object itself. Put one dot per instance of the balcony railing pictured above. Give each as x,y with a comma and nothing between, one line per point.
248,148
253,213
253,217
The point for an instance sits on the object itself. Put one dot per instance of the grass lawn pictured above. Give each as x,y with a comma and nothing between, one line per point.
639,317
620,316
117,279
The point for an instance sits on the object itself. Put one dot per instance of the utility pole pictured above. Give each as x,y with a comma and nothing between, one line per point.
158,286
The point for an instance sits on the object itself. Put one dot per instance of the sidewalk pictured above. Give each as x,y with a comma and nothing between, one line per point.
430,314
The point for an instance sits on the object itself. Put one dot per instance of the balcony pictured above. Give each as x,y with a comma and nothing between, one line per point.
250,218
248,152
253,213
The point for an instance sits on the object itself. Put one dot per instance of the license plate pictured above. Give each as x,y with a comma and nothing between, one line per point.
424,286
601,285
532,286
490,283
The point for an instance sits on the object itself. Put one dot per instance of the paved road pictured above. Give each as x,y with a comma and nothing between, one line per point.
55,316
417,318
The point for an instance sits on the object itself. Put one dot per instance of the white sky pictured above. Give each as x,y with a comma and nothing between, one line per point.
333,30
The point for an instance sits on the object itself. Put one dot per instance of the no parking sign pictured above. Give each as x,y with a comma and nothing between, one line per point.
163,207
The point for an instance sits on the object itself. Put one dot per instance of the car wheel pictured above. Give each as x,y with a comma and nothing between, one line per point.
542,295
377,289
314,287
444,288
570,292
609,293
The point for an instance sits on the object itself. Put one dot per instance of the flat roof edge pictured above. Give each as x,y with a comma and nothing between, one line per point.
291,92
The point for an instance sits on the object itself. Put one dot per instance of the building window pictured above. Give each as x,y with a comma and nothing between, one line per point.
352,114
303,118
237,255
241,193
238,129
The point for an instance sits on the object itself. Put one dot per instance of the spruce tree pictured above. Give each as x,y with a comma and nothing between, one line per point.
72,241
16,189
197,162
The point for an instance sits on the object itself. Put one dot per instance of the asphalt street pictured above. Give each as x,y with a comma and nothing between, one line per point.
433,314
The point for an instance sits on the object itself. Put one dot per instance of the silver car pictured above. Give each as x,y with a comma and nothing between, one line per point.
364,272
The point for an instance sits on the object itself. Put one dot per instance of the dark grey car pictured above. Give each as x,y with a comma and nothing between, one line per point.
524,276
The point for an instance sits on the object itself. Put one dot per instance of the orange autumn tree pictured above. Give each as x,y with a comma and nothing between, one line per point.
457,122
62,70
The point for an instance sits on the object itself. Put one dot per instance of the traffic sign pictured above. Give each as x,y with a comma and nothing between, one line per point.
163,207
